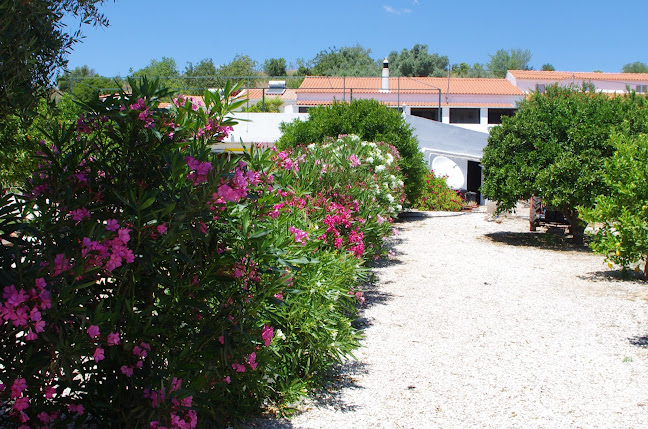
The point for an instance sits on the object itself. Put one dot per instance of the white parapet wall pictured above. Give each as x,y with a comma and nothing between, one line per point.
257,128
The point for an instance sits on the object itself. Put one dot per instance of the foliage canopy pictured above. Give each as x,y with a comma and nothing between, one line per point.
371,121
555,147
417,62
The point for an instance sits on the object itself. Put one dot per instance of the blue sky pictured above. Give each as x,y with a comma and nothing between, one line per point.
572,35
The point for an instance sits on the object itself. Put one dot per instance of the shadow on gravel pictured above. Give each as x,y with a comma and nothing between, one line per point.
542,240
612,275
639,341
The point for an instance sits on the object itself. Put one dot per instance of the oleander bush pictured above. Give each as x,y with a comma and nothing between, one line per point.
148,282
436,195
371,121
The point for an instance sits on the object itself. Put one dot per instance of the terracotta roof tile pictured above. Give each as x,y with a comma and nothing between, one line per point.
563,75
257,93
412,104
472,86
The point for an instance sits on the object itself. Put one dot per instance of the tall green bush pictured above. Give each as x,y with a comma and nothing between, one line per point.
370,121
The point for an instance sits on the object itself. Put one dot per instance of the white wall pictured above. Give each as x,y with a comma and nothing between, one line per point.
261,127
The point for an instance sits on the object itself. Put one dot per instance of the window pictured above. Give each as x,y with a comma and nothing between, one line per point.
464,116
426,112
540,87
642,88
495,115
303,109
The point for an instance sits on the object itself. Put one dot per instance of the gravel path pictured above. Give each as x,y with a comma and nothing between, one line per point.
478,324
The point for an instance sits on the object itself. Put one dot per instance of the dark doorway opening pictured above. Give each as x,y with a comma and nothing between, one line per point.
473,181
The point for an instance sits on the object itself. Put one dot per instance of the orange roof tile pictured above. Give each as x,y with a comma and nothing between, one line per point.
412,85
411,104
563,75
257,93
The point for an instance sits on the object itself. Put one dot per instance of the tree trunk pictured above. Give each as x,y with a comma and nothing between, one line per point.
576,226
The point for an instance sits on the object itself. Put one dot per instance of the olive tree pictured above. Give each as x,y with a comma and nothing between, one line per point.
555,147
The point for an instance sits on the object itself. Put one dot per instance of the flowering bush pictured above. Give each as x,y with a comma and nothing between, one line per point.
436,195
148,282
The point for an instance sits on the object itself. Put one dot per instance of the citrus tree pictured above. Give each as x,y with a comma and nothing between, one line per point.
555,147
621,215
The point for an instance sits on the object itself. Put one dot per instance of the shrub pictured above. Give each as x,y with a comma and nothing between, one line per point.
148,282
619,217
271,105
369,120
436,195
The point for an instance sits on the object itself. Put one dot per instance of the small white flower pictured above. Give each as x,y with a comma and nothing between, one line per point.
311,146
379,168
370,160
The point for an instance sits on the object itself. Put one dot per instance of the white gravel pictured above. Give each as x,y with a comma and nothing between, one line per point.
470,326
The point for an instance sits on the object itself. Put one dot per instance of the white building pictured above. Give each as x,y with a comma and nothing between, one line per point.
619,83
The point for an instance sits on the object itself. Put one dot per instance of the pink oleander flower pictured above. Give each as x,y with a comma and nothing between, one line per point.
79,214
93,331
161,229
127,370
124,235
112,225
113,339
238,367
21,404
354,161
300,236
139,105
50,392
98,354
18,386
227,379
221,339
267,333
251,360
76,408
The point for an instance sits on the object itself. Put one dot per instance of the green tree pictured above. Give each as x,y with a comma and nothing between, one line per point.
513,59
200,77
555,147
270,105
622,233
636,67
83,82
34,45
460,70
275,67
239,69
548,67
345,61
479,70
369,120
165,69
417,62
303,67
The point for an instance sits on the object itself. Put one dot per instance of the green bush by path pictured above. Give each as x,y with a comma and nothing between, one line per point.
436,195
369,120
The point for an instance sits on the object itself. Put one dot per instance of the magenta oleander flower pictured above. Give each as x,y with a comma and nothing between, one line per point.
238,367
76,408
267,333
113,339
93,331
127,370
21,404
112,225
79,214
98,354
300,236
161,229
124,235
49,392
251,360
18,386
227,379
354,161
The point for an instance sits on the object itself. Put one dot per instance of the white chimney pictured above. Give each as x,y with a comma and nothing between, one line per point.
385,76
